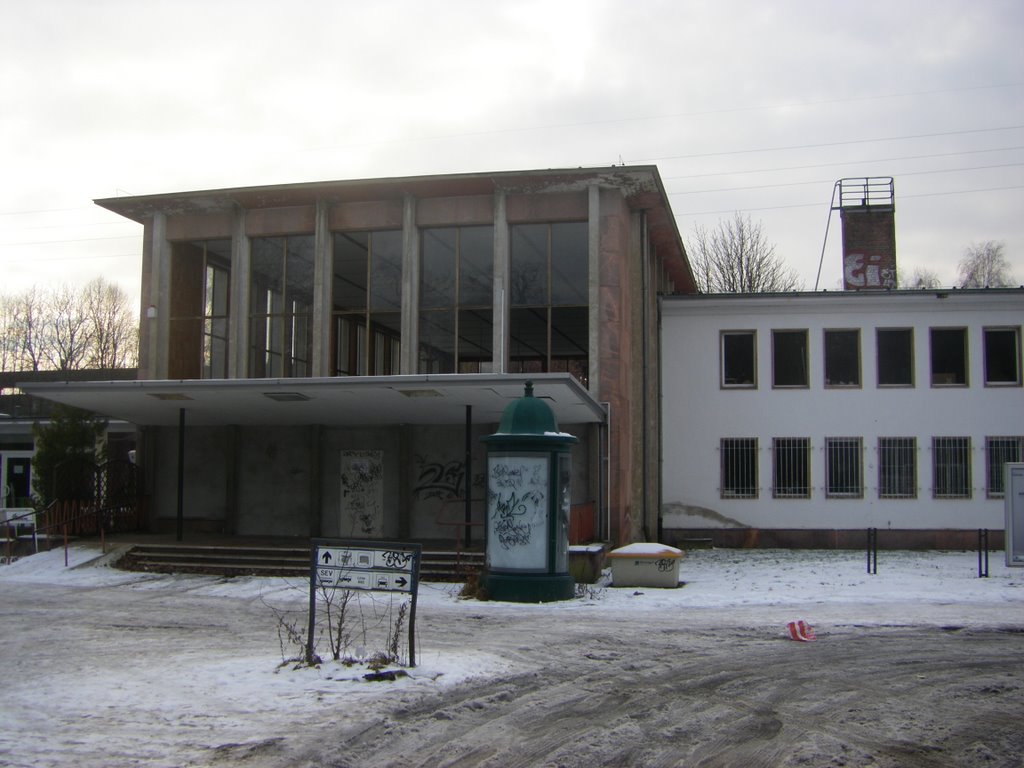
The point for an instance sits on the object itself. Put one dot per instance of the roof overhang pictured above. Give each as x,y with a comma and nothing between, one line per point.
358,401
640,185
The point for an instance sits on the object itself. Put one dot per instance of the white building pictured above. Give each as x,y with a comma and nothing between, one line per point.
804,419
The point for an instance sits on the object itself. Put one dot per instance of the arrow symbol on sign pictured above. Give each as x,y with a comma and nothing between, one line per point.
327,557
401,581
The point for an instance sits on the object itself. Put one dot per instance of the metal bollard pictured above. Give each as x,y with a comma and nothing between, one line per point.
873,551
983,553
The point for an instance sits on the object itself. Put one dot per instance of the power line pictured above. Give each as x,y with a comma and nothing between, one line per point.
845,162
829,144
821,205
830,181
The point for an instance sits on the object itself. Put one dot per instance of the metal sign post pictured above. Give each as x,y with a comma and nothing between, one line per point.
379,566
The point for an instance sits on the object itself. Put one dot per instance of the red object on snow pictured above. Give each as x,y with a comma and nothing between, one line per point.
801,631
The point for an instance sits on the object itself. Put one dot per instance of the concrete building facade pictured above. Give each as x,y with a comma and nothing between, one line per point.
324,358
801,420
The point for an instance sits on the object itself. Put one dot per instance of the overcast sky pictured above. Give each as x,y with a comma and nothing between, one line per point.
757,107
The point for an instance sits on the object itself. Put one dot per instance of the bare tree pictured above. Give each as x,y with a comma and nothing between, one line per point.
23,331
923,278
735,257
984,265
8,330
68,331
114,331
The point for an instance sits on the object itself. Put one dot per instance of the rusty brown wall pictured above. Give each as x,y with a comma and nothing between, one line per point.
620,363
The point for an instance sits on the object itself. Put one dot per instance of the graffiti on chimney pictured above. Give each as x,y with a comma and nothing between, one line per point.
876,271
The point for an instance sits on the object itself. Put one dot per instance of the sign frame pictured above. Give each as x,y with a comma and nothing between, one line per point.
1013,498
364,564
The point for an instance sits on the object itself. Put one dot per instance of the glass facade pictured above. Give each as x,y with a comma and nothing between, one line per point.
366,303
549,286
281,306
456,300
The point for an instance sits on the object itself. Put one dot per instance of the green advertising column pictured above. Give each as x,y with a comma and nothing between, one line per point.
529,472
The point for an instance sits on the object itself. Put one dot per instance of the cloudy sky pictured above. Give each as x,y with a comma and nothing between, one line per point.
744,106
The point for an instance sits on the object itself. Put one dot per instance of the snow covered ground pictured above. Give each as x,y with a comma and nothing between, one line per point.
106,667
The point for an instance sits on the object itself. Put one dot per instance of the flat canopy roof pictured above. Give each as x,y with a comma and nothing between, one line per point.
355,401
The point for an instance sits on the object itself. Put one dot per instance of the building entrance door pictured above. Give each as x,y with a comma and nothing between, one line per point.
16,477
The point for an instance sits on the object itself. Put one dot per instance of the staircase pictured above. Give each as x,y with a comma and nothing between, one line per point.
435,564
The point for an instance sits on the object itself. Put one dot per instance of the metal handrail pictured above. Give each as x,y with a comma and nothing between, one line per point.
95,512
458,524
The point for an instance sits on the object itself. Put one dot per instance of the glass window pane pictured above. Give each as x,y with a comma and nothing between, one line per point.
351,257
789,358
569,261
299,273
738,360
529,265
476,267
528,335
476,338
267,261
386,271
895,357
842,358
949,356
387,341
437,268
1002,356
437,341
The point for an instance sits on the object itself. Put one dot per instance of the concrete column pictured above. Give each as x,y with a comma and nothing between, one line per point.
594,287
160,297
409,362
502,279
241,250
323,262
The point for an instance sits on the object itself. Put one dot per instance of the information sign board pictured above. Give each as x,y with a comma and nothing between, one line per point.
380,566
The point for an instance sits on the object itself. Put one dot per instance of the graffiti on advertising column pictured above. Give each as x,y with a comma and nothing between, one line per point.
517,510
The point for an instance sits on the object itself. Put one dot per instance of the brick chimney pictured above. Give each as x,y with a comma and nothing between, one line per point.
868,211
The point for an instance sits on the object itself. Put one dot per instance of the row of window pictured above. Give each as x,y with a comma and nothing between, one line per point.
896,460
948,349
546,292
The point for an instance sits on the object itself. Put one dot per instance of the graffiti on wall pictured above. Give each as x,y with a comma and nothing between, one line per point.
517,511
362,493
443,480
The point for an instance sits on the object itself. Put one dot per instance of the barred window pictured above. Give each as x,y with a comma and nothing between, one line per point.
999,451
951,467
897,468
739,467
792,467
844,470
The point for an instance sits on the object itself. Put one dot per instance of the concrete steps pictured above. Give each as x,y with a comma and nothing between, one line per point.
223,560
